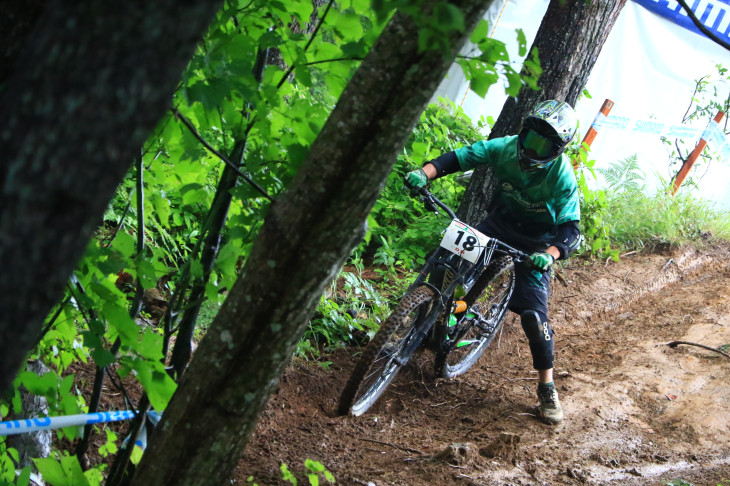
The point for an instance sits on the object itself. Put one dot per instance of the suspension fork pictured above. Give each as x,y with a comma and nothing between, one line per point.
420,333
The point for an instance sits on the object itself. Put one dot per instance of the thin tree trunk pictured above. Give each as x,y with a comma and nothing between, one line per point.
569,41
308,233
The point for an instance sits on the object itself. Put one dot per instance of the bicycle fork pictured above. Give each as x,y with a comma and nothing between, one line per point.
419,334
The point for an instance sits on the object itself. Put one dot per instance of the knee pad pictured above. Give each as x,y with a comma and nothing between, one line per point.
536,326
540,335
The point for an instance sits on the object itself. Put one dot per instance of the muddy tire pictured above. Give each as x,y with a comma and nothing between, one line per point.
490,296
390,349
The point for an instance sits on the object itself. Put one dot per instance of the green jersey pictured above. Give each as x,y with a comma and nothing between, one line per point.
548,196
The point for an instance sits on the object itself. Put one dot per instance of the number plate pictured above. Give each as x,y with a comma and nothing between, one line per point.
463,240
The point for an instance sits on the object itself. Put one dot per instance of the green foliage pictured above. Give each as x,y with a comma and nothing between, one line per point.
66,471
638,221
278,112
9,457
594,207
493,63
228,98
712,94
57,392
402,232
625,175
314,470
349,311
626,217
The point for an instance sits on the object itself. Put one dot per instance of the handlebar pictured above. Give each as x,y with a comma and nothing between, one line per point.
432,203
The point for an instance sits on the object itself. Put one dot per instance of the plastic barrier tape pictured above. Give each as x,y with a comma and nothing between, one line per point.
24,426
713,134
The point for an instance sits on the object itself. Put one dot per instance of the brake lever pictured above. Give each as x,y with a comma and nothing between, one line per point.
429,203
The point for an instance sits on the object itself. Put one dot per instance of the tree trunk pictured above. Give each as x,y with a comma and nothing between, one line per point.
307,235
569,41
88,87
17,19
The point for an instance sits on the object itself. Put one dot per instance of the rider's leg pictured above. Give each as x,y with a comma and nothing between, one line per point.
540,336
530,298
532,290
545,376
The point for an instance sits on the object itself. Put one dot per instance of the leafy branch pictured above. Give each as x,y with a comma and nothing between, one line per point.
225,159
309,43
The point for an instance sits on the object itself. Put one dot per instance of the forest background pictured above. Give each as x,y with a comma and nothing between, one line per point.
184,220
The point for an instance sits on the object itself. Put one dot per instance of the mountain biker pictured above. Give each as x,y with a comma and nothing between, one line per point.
535,209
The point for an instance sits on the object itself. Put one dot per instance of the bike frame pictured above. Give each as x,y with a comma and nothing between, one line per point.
465,273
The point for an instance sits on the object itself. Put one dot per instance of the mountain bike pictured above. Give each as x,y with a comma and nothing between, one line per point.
472,276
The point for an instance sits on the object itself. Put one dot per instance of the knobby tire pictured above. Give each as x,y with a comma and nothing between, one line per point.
377,366
490,296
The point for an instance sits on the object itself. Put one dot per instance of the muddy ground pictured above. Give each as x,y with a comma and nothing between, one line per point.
637,411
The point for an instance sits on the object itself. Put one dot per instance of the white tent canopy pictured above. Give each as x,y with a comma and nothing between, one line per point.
648,67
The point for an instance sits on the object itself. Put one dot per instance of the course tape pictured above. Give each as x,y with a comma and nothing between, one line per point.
713,134
717,139
24,426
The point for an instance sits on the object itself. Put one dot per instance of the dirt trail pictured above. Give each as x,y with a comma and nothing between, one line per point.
637,411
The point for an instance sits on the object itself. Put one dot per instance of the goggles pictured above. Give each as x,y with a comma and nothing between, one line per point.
538,147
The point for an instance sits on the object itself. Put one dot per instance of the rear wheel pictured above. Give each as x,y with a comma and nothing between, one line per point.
390,349
464,342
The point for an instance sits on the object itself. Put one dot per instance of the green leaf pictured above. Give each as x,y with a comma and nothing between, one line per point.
303,75
95,476
162,207
210,93
521,42
349,26
481,83
156,382
120,320
124,243
448,17
150,345
480,32
287,475
67,472
24,477
102,357
270,39
45,385
146,272
514,83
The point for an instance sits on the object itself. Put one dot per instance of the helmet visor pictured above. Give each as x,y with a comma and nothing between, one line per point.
538,147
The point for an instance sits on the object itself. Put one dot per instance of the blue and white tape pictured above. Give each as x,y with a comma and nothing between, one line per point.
24,426
717,140
651,127
713,134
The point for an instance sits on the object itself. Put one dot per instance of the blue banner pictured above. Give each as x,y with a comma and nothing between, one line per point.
714,14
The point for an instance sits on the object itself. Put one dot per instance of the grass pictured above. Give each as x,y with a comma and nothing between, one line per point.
636,221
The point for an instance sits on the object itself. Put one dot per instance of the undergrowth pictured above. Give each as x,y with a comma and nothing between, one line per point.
638,219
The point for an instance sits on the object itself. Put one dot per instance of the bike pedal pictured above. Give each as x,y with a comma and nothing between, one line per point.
467,342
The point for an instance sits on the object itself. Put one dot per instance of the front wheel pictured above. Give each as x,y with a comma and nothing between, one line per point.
390,349
464,342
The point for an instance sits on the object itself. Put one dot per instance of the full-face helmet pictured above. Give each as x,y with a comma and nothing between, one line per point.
545,133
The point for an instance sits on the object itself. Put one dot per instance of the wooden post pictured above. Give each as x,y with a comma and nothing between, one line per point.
592,132
684,170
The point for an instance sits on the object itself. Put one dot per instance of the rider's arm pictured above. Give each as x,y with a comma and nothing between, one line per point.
443,165
554,252
567,240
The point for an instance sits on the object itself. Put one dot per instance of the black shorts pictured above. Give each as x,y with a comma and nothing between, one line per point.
532,287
